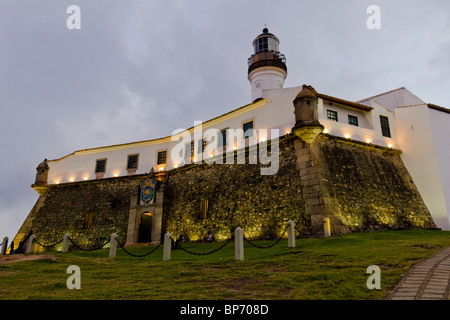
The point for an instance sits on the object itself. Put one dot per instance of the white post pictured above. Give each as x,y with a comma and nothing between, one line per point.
167,246
4,246
113,246
239,244
65,245
291,234
326,228
30,245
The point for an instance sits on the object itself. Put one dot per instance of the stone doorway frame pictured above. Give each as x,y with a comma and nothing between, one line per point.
135,214
139,222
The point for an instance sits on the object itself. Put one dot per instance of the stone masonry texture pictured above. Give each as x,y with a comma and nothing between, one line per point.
358,186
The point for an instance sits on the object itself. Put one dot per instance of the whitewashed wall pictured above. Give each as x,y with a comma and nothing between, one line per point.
419,153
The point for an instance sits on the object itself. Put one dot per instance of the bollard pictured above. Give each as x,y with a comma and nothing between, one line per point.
239,244
167,246
113,246
326,228
4,246
291,234
30,245
65,245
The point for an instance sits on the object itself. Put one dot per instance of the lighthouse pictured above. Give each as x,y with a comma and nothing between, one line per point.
267,66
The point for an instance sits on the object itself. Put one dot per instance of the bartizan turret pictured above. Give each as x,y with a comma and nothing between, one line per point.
40,183
307,125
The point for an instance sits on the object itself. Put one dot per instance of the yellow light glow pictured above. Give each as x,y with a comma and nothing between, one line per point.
347,136
288,131
234,148
211,155
390,145
262,139
175,166
161,169
368,141
325,131
85,178
71,180
57,182
116,175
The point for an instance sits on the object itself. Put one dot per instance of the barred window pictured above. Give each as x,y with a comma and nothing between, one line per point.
332,115
100,166
162,157
352,120
132,161
201,145
189,150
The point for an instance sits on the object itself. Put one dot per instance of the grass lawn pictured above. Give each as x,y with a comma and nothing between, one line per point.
319,269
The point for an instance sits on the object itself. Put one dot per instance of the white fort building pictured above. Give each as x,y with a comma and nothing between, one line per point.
396,119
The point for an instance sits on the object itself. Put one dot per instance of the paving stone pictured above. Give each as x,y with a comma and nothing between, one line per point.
435,291
432,296
402,298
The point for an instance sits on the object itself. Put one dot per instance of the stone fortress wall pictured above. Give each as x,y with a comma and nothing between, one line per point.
359,186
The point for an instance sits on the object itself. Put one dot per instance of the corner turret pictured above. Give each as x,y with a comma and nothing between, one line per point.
307,125
40,183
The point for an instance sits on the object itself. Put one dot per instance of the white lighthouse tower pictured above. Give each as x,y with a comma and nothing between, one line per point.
267,66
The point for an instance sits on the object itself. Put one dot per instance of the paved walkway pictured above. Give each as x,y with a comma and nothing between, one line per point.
427,280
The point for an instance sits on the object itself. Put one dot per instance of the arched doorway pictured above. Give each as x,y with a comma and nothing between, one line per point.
145,228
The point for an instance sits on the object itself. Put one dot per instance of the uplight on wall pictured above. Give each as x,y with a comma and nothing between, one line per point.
325,131
57,181
161,169
262,139
390,146
368,141
288,131
175,166
234,148
347,136
116,174
85,178
71,180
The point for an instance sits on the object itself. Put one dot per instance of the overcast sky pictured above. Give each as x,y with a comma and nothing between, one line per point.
139,69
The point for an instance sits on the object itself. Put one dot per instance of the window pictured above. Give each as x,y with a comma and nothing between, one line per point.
332,115
189,150
162,157
223,138
385,130
201,145
88,220
100,166
352,120
132,162
261,44
203,208
248,129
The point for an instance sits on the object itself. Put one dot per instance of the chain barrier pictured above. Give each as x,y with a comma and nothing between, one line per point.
204,253
310,233
48,246
136,255
179,246
93,249
269,246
